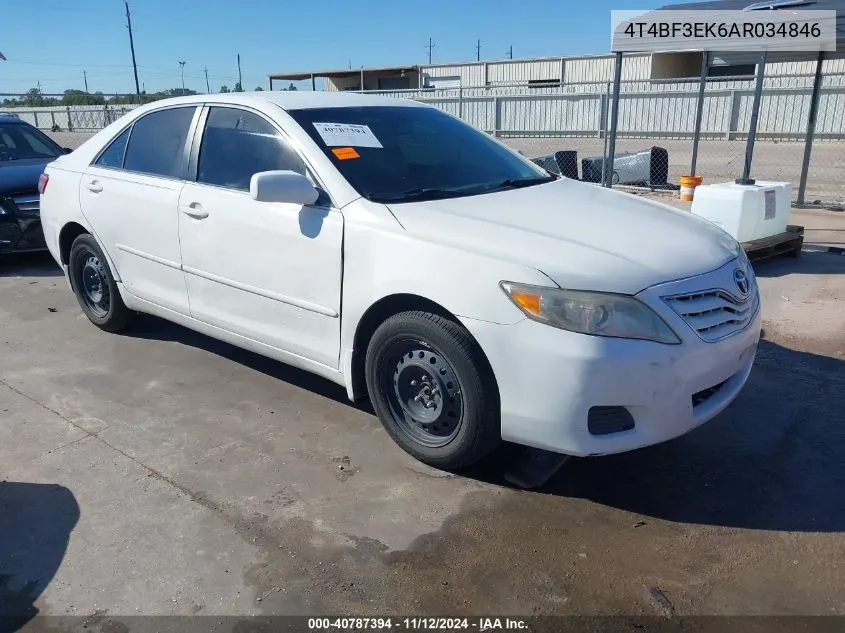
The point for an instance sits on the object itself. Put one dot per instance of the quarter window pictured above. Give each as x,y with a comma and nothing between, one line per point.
113,155
237,144
157,142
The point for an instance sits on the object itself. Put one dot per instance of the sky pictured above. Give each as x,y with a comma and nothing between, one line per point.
55,41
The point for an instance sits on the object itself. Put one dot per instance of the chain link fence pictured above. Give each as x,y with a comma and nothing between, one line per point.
540,119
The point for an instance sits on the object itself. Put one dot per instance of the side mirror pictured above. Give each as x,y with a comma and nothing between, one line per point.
282,186
67,150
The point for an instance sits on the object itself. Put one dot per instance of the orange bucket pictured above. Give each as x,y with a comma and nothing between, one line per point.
688,185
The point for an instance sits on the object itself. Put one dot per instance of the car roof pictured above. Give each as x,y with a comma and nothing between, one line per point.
296,99
9,118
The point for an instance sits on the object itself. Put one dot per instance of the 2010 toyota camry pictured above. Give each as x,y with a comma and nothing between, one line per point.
394,249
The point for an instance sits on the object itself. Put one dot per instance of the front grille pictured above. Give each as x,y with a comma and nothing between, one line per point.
705,394
715,314
28,205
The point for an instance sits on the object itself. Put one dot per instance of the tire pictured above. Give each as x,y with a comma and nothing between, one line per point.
432,390
94,286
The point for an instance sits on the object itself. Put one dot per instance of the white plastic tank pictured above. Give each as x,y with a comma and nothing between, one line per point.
746,212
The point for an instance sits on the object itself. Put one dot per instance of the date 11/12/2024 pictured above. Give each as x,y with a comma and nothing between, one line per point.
417,624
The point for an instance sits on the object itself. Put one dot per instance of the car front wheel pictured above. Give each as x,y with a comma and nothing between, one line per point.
94,286
432,390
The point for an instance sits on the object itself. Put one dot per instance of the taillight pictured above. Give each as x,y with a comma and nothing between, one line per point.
42,183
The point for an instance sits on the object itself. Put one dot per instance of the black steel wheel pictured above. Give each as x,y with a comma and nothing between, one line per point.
422,392
433,390
94,286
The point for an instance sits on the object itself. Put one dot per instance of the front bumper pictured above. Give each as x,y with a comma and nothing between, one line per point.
20,229
549,379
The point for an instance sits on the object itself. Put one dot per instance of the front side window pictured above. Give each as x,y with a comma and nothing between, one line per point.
113,155
403,154
237,144
157,142
20,142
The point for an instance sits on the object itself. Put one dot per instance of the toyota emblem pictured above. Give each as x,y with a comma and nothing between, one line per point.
741,282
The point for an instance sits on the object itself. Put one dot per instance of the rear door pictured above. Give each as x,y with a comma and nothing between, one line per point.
267,271
130,195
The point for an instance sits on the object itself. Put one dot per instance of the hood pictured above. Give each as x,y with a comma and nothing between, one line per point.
21,176
582,236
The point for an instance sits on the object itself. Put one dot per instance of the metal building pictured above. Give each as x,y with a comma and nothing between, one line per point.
545,72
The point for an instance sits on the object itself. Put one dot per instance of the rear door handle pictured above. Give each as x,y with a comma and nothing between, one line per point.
94,186
194,210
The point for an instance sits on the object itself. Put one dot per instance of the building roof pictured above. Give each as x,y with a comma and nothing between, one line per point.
354,72
342,72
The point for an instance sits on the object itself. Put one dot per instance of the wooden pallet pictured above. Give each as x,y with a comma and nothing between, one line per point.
788,243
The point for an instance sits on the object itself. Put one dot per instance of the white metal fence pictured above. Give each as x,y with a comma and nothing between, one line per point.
69,118
650,109
541,119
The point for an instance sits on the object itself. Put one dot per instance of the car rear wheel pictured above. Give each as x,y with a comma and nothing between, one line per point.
94,286
432,390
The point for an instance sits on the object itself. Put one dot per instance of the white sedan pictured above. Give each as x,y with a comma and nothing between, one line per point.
398,251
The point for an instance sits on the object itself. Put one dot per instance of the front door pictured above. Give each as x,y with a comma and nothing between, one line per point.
131,195
267,271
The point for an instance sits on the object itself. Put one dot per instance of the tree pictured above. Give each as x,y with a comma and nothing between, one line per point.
224,88
80,97
238,87
291,86
34,99
259,89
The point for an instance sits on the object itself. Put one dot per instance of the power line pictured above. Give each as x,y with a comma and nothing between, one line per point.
132,48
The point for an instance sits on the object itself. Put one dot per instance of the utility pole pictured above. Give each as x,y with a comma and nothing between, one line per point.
430,46
478,51
510,53
207,85
132,48
240,81
85,75
182,69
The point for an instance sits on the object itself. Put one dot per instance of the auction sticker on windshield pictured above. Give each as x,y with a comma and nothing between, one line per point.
347,134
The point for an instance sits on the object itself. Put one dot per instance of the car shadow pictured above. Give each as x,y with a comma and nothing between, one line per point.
809,263
36,521
38,264
772,461
154,328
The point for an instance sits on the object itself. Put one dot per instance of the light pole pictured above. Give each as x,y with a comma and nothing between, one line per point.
182,69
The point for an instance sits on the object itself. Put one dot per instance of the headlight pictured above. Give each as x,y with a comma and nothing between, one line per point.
596,313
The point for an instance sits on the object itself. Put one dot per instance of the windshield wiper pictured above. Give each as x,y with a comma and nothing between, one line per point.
516,183
420,194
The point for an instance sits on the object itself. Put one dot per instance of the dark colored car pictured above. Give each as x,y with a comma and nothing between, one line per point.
24,151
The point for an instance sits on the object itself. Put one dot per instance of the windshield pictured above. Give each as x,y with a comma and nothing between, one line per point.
407,154
19,142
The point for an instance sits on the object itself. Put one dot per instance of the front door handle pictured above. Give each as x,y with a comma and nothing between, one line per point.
195,210
94,186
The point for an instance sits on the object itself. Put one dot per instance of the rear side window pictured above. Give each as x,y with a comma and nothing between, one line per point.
237,144
113,156
37,144
157,142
